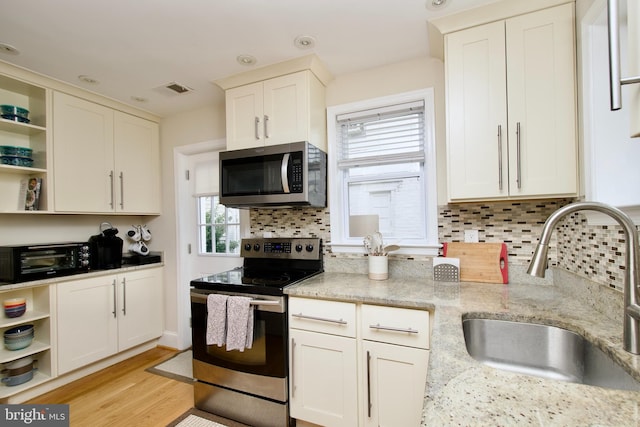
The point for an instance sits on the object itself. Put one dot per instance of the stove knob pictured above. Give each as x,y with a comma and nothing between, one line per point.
256,247
298,247
309,248
247,246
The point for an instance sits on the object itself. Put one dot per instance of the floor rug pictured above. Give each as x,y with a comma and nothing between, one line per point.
196,421
179,367
197,418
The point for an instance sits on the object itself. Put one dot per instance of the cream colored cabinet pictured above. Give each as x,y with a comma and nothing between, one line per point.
357,364
394,362
281,110
15,167
511,108
101,316
105,161
40,306
323,362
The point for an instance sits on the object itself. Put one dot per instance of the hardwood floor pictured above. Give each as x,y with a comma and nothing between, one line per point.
124,395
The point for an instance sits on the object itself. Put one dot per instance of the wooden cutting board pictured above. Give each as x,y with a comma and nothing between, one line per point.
480,262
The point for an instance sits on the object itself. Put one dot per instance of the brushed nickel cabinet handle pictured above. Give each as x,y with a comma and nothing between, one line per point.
319,319
115,299
615,79
257,127
369,384
293,370
122,190
518,156
124,296
266,126
393,329
111,203
500,157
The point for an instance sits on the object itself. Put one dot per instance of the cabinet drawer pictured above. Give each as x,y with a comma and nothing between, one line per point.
394,325
330,317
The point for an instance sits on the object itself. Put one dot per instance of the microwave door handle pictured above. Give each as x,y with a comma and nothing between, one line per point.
283,173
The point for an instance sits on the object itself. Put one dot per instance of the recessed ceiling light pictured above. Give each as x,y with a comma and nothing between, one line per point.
247,60
304,42
7,48
436,4
87,79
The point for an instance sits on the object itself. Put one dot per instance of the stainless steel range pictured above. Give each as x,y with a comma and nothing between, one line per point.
251,386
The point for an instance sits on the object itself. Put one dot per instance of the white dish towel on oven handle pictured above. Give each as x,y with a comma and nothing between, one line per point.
239,323
216,319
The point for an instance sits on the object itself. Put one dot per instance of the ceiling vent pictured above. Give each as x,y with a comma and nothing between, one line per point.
173,88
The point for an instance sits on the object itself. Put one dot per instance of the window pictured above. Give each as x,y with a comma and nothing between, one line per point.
218,227
382,153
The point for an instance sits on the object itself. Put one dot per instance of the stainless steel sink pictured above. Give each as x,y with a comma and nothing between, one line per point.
543,351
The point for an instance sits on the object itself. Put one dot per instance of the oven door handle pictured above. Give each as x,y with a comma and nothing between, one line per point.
203,298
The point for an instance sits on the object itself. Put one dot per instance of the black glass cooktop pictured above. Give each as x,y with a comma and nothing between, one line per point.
246,280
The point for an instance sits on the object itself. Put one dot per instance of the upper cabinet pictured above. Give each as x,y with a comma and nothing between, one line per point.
281,110
511,108
278,104
105,161
25,146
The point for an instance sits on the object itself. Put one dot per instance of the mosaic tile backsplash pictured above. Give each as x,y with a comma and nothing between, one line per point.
595,252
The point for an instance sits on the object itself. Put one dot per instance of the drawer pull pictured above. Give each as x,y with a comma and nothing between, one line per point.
393,329
319,319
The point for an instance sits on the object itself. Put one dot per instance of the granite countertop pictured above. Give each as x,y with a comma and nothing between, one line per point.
77,276
462,391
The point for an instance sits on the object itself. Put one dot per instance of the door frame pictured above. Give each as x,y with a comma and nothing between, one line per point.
183,303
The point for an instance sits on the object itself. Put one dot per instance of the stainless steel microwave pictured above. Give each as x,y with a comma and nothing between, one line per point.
282,175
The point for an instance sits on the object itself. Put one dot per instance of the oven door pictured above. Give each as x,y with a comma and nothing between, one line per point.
268,355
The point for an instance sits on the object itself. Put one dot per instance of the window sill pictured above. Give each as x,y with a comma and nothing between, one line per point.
428,250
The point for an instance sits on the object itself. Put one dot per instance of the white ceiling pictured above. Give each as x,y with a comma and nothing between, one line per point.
133,47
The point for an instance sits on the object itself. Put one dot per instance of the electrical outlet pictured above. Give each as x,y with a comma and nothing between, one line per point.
471,236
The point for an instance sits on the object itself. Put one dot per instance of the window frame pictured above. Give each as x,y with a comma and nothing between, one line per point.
199,225
339,215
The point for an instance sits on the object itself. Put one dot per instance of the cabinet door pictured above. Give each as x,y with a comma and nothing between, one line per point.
82,155
244,109
542,103
87,324
140,307
476,113
137,164
323,379
286,109
395,379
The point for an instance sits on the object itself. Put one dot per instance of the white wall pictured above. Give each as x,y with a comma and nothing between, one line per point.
205,124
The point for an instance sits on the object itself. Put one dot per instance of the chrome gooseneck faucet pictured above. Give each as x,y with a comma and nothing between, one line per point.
631,326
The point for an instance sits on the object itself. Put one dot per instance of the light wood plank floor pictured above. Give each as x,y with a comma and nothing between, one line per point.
124,395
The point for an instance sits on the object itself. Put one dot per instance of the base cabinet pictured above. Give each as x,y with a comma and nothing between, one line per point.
101,316
396,378
357,364
324,379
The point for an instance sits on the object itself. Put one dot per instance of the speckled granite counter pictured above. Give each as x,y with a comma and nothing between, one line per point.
460,390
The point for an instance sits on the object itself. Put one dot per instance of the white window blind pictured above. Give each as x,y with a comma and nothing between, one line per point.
388,135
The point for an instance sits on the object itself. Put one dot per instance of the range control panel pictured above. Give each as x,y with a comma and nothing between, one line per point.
282,247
